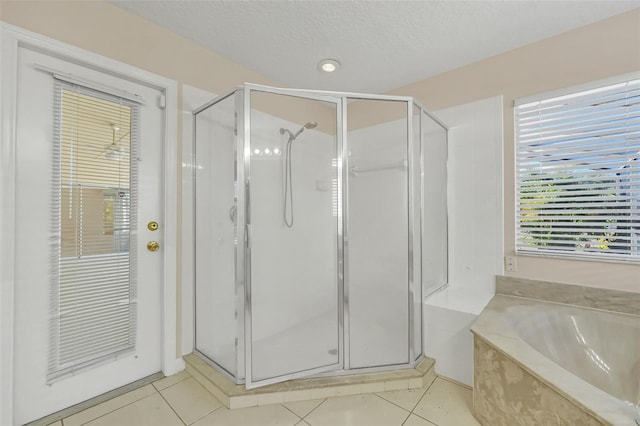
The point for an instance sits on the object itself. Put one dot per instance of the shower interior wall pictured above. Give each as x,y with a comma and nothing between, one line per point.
378,320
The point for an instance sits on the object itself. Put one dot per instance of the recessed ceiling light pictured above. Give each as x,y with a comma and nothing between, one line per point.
328,65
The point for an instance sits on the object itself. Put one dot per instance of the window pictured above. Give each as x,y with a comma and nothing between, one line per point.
93,291
578,173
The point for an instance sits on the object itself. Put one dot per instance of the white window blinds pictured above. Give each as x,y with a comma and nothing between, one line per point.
578,173
93,291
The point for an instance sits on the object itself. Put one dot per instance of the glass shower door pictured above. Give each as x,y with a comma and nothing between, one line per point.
215,234
379,249
294,237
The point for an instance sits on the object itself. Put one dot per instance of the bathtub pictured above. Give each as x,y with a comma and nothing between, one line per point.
542,363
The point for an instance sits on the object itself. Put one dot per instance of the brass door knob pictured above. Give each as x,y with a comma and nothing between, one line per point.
152,226
153,246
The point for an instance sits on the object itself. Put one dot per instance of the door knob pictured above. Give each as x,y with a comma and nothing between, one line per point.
153,246
152,226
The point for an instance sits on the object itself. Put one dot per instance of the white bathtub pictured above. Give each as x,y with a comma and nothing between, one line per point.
601,348
590,357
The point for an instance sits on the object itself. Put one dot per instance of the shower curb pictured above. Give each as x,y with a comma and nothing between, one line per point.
232,395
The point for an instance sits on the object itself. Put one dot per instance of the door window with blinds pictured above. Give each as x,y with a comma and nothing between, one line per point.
578,173
93,287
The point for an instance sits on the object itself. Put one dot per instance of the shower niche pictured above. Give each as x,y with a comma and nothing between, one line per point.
319,224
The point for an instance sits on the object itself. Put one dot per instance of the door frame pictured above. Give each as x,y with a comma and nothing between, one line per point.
12,39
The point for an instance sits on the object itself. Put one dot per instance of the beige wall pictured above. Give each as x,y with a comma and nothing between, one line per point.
105,29
600,50
607,48
604,49
112,32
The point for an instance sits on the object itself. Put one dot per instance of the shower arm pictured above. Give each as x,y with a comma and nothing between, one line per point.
283,131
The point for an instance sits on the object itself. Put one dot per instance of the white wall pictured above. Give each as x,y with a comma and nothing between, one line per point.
475,234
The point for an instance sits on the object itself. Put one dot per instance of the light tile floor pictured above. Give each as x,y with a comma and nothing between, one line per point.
181,400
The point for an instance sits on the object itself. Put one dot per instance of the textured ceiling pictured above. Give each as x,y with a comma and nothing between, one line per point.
381,44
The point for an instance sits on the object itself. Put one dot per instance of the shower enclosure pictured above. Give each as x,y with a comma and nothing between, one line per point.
319,223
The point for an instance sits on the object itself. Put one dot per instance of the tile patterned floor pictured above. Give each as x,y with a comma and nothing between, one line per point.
180,400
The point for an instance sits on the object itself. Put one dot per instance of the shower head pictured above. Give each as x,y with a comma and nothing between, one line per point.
293,136
309,125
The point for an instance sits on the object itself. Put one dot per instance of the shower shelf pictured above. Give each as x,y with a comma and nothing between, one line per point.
236,396
400,165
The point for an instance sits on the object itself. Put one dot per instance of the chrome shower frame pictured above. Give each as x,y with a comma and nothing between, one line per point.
243,216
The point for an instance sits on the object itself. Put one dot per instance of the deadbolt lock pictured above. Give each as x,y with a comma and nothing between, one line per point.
153,246
152,226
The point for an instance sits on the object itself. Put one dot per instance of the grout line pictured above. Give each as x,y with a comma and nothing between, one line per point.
432,382
174,411
206,415
189,376
392,403
97,400
314,409
119,408
455,382
405,420
424,394
424,418
179,381
421,397
287,408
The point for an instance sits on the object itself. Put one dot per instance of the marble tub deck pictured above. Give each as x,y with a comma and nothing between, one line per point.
570,294
492,326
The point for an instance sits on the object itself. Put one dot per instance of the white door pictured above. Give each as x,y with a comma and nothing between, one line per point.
88,291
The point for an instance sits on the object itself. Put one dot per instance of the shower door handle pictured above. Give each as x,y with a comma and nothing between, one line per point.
233,213
247,236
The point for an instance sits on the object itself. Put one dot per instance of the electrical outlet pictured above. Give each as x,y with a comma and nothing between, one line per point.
511,264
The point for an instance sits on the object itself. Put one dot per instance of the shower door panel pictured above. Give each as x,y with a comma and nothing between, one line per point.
215,229
293,284
434,256
379,245
415,176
